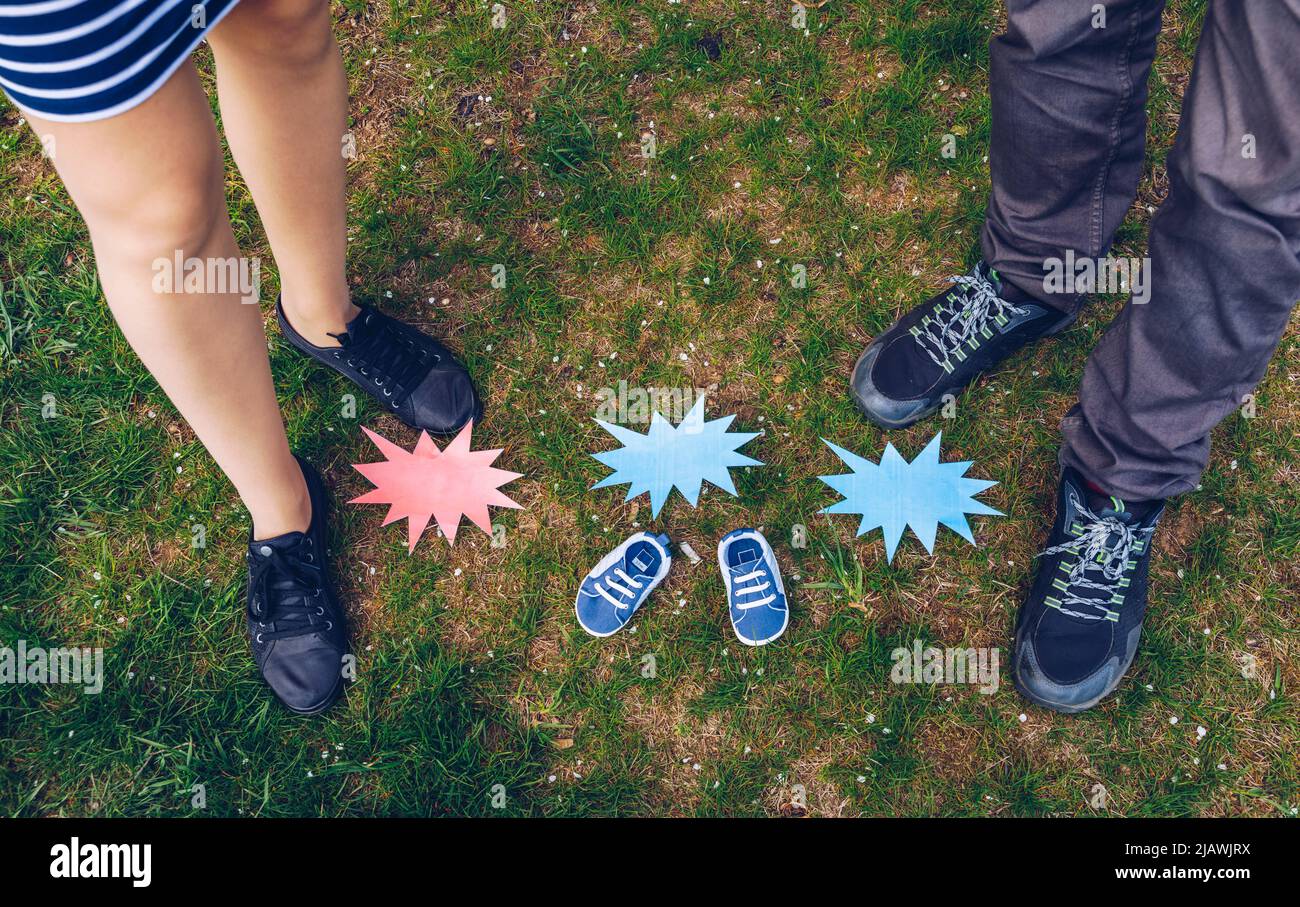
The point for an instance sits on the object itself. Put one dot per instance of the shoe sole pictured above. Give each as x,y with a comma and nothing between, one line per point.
1061,707
334,697
876,418
1056,706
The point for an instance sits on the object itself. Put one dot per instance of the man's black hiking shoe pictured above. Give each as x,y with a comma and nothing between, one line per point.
1078,631
940,346
412,375
296,626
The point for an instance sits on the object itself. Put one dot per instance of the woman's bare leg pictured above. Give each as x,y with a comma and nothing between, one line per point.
149,184
284,101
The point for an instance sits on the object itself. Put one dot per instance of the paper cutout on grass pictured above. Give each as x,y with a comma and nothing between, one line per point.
685,456
894,494
427,483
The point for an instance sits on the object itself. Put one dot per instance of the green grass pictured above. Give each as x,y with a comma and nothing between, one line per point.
472,671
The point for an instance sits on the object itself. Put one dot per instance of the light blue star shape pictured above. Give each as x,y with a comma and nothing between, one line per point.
693,452
894,494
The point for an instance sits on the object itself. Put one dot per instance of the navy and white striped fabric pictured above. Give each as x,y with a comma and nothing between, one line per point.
76,60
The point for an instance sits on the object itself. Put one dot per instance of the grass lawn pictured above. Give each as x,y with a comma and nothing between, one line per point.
522,147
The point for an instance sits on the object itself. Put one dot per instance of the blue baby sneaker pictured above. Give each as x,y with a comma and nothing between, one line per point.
755,593
617,586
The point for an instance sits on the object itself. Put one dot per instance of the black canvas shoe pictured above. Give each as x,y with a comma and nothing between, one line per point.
1078,630
940,346
412,375
296,626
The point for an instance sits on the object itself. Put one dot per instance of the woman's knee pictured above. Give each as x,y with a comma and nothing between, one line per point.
161,220
295,31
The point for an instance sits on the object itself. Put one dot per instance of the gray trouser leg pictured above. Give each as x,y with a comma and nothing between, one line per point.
1068,96
1225,273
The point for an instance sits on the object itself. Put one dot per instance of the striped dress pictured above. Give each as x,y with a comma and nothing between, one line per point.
77,60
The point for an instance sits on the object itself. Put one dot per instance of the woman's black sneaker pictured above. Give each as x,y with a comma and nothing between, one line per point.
1078,631
297,628
943,344
412,375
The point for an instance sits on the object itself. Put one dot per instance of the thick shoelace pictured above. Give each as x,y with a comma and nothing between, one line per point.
956,320
1103,547
283,592
382,352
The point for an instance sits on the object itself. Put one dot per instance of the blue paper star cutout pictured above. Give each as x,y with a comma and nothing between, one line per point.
694,452
894,494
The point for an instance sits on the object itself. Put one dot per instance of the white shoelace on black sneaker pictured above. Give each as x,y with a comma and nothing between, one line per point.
1096,552
958,322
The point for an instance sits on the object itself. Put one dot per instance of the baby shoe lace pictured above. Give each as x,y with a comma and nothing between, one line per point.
622,590
757,581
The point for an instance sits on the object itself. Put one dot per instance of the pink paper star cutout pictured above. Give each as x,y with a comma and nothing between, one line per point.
428,483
